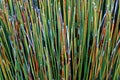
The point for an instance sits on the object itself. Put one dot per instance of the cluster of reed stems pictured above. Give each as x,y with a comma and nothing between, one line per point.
59,39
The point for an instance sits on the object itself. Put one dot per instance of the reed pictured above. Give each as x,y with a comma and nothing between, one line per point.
59,39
